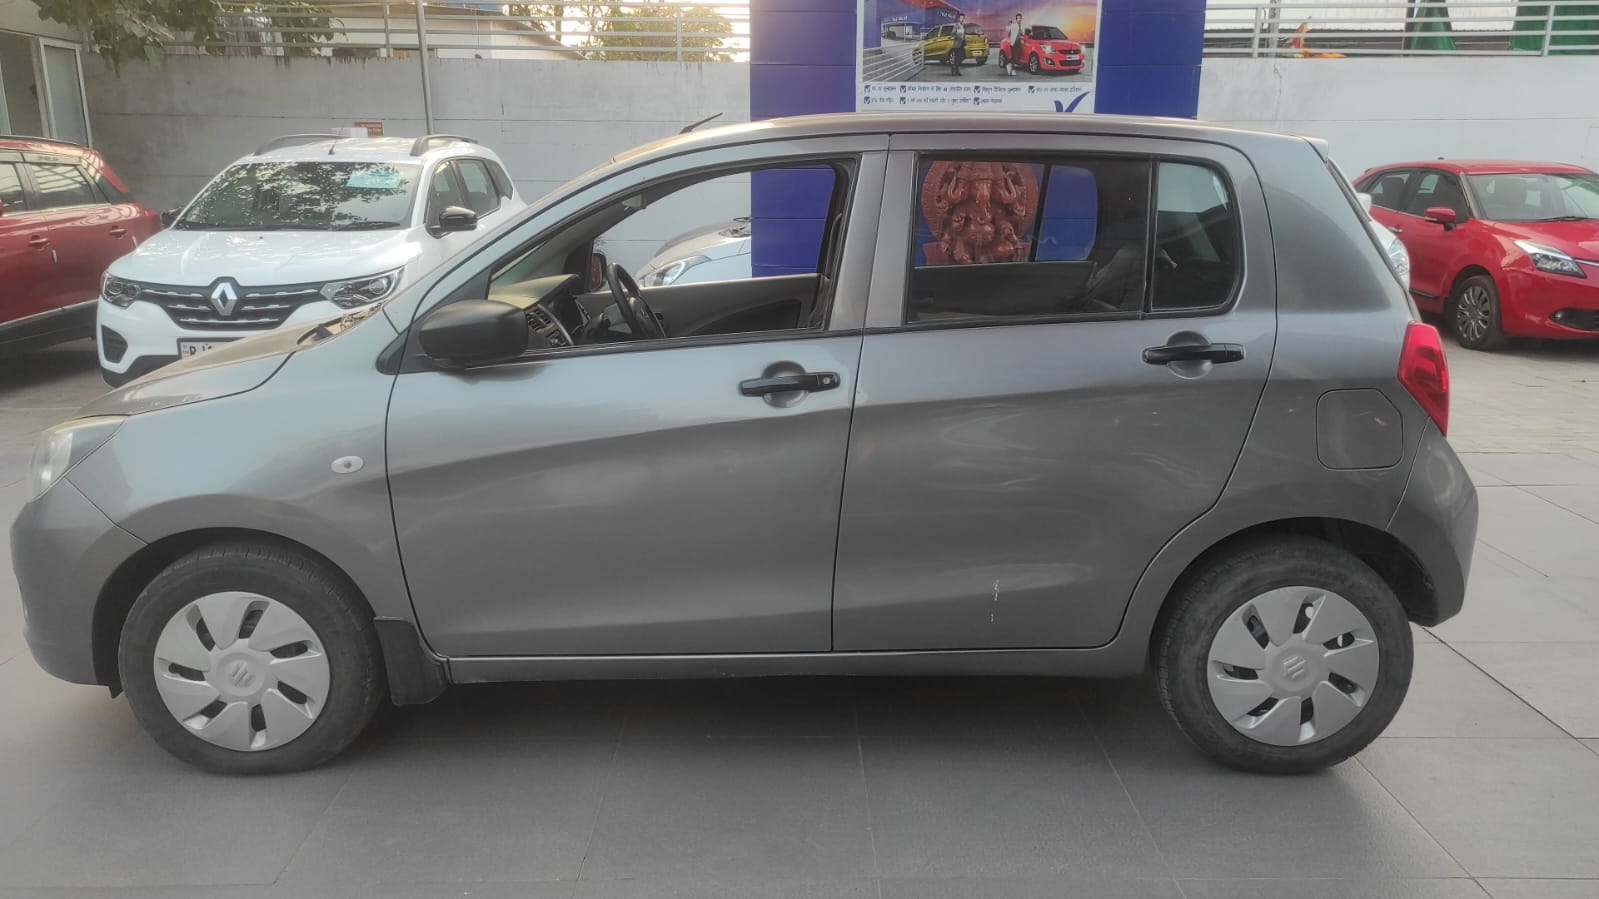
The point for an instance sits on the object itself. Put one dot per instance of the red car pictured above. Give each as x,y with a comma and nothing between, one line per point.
1500,249
64,216
1046,50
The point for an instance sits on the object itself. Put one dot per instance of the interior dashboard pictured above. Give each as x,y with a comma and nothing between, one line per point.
554,314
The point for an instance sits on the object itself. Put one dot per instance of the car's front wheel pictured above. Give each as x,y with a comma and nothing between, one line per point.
1475,315
251,658
1284,656
1033,65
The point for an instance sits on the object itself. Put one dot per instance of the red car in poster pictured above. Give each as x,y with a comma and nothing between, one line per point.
1499,249
64,217
1046,50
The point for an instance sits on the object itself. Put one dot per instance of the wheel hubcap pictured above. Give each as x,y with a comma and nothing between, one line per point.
1292,666
241,671
1473,312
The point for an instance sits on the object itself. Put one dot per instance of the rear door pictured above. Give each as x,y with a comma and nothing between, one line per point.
1045,399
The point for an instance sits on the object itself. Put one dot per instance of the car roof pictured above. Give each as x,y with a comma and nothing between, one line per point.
891,123
1484,166
322,148
45,145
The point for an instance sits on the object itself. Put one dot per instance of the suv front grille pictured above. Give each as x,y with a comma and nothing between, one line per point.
257,308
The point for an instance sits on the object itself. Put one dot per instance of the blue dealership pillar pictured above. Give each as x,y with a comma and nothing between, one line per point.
802,61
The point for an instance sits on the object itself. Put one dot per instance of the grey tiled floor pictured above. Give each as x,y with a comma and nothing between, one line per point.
1487,784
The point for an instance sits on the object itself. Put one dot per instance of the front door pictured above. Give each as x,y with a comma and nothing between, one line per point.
1431,245
622,495
1047,399
27,267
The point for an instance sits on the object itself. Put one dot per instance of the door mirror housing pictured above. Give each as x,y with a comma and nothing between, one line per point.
452,220
169,218
596,274
1365,201
474,332
1441,215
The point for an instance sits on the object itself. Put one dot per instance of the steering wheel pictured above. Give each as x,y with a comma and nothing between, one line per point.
640,317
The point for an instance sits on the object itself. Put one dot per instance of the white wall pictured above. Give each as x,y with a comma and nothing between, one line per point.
1375,111
169,127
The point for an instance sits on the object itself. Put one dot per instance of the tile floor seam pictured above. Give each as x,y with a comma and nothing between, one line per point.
1137,812
1559,505
1412,815
599,805
866,788
1506,687
300,846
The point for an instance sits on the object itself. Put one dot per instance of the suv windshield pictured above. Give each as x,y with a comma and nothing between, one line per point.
1537,196
306,196
1047,33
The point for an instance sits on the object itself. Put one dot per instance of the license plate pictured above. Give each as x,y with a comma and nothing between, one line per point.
187,348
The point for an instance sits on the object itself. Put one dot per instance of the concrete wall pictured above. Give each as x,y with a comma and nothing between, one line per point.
1375,111
23,16
169,127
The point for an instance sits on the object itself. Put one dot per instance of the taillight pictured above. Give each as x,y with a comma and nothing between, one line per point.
1424,372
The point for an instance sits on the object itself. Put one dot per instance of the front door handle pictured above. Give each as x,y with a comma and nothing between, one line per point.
38,241
118,231
1194,352
808,382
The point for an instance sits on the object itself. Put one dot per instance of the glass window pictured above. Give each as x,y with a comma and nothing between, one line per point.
1438,189
11,192
1196,239
444,192
1387,189
111,191
305,196
1007,238
502,181
61,184
1537,196
66,94
482,197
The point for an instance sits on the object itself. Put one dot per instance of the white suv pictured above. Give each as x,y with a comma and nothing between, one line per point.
304,228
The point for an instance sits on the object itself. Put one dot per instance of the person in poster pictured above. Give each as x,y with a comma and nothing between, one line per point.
957,53
1037,55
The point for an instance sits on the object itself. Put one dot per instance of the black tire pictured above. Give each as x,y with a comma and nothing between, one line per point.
1034,67
357,683
1493,336
1204,602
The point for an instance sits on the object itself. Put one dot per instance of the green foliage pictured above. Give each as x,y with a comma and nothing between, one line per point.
125,30
645,30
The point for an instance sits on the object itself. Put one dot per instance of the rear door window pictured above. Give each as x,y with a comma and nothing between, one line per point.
60,184
1196,239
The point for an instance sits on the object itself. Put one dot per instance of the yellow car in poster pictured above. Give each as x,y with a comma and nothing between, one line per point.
939,43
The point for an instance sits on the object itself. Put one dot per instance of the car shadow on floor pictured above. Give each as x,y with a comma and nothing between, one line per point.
25,370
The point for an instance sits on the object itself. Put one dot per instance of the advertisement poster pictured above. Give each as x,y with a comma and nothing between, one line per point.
908,58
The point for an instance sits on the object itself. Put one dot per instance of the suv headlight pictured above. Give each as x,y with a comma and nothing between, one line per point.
119,292
65,445
1549,259
670,272
362,291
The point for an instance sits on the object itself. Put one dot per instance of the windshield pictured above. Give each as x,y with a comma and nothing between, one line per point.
1048,33
1537,196
973,30
306,196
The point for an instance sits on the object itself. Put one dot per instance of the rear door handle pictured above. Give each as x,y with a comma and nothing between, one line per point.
1194,352
118,231
38,241
1396,229
809,382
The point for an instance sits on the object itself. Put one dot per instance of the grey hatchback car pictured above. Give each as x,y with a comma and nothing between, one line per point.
1042,395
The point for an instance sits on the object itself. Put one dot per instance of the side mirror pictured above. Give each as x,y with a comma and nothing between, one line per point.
452,220
474,332
1365,201
1441,215
596,277
169,218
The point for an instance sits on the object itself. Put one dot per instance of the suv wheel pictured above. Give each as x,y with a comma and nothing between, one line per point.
250,658
1474,314
1284,656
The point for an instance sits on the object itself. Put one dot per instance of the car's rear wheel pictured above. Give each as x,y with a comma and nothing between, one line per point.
1474,314
250,658
1033,65
1284,656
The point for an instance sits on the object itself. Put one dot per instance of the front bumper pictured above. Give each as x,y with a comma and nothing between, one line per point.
149,337
63,551
1062,64
1531,299
1437,521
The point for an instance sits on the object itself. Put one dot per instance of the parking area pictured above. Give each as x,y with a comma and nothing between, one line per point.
1486,785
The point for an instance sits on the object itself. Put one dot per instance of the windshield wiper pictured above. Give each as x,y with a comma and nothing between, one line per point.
188,225
366,226
1567,218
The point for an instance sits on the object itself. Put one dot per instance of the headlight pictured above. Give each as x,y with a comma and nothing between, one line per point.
1549,259
362,291
1399,257
1047,48
67,444
670,272
118,292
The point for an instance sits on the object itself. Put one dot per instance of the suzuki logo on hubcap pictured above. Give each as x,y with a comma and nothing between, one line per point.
224,297
240,675
1294,667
